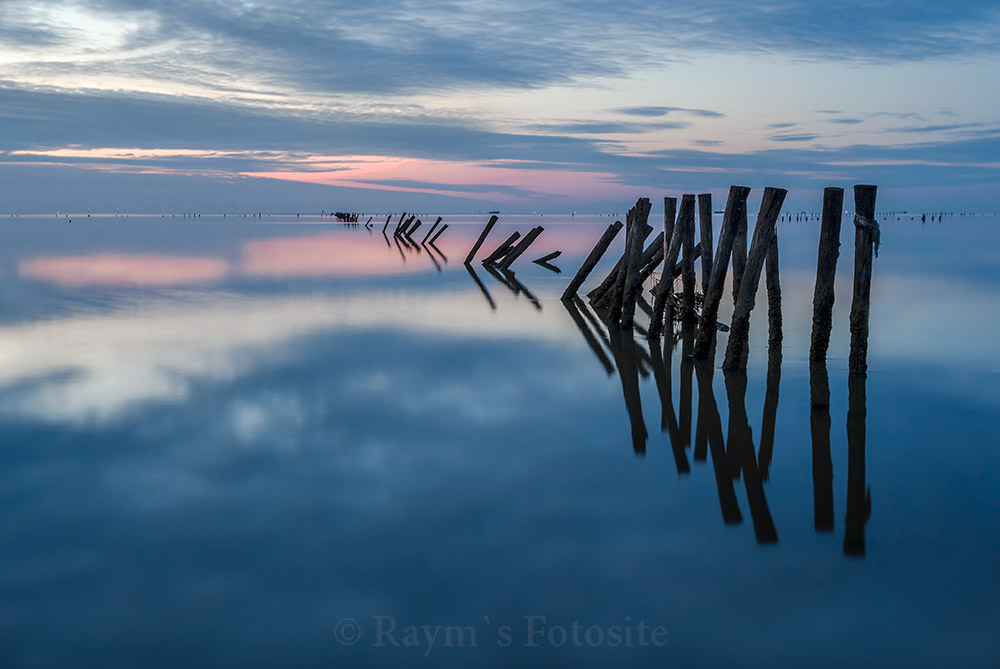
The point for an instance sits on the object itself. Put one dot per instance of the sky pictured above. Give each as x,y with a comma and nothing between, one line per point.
148,106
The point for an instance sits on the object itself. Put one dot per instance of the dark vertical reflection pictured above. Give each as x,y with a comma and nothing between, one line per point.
401,254
482,287
687,371
741,442
623,348
859,503
770,410
581,324
704,370
387,243
434,260
822,465
668,421
521,288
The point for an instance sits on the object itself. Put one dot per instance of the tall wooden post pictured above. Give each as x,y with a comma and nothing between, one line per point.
595,256
866,234
826,271
705,219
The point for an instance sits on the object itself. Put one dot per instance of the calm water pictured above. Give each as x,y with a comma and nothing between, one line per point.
284,442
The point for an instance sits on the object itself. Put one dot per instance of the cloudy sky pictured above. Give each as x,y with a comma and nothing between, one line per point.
464,105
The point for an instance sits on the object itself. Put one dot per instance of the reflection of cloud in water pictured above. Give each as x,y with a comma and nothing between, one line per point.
94,367
122,269
319,255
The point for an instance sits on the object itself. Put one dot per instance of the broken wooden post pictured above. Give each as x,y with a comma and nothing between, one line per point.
633,269
431,231
409,232
665,288
520,248
739,329
439,233
601,296
544,260
482,238
595,256
774,335
501,250
387,219
399,224
687,265
735,209
866,234
739,253
826,271
705,218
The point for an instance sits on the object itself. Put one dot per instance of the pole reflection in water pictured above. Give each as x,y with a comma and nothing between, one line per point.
859,503
707,407
741,443
822,464
668,421
573,307
770,410
482,287
624,350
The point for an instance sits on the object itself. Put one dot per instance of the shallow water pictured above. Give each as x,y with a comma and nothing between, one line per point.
227,440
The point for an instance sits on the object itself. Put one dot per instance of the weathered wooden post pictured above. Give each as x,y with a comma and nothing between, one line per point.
431,231
866,234
687,265
826,271
601,296
774,335
664,289
739,253
520,248
503,249
438,234
739,332
595,256
735,209
633,269
387,219
399,224
705,219
409,231
482,238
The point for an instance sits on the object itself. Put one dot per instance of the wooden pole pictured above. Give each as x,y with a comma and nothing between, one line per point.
705,219
501,250
595,256
438,234
410,231
735,209
520,248
431,231
664,288
482,238
633,277
739,332
739,253
866,233
547,257
774,335
687,264
601,295
826,271
387,219
399,224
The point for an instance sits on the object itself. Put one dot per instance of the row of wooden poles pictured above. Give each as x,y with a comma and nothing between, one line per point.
616,297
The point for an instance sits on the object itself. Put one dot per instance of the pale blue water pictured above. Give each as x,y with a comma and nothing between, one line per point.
224,440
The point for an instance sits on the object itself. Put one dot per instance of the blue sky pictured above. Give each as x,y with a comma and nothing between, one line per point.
466,105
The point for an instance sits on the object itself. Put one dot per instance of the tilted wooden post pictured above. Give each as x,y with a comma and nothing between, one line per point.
866,234
735,209
591,262
826,273
664,288
739,253
705,219
520,248
633,273
774,334
502,249
482,238
431,231
763,233
438,234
